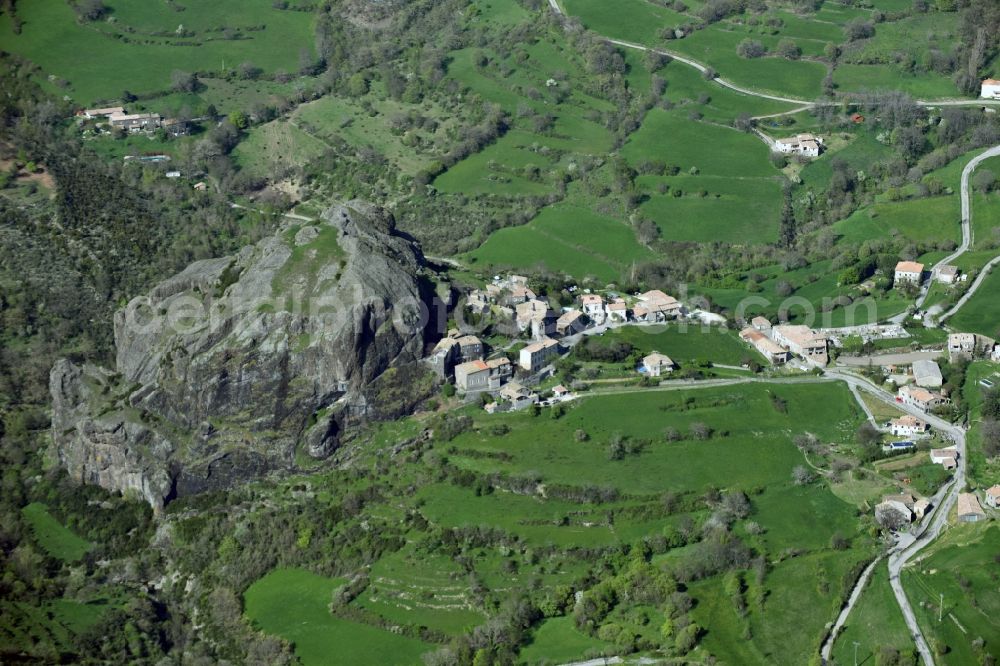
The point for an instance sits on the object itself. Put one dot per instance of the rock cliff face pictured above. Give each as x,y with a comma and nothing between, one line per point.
237,365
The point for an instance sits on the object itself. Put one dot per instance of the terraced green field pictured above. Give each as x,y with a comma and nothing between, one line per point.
54,40
730,192
292,604
418,589
568,239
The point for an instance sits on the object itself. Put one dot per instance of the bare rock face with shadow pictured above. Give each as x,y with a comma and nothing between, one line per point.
235,366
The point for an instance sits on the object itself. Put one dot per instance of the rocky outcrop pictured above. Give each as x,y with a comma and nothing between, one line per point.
235,366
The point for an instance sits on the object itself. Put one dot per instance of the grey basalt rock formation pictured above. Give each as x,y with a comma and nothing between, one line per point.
234,366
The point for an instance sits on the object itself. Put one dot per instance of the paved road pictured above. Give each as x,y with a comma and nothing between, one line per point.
803,104
859,587
943,502
888,359
967,235
983,274
291,216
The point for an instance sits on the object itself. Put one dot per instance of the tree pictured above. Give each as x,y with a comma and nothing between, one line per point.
868,434
788,49
750,48
991,438
984,180
801,476
249,71
90,10
700,430
859,28
239,120
182,81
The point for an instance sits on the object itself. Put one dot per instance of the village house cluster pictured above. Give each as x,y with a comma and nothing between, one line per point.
913,273
779,343
805,145
465,358
117,118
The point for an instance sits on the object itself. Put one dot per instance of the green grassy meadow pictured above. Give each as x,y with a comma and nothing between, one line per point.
568,239
730,192
752,454
292,604
54,40
981,313
962,567
875,622
686,344
640,22
58,541
276,145
929,220
556,640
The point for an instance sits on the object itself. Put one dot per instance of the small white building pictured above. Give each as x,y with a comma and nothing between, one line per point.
990,89
946,274
944,456
908,426
910,272
806,145
993,496
593,307
617,311
656,364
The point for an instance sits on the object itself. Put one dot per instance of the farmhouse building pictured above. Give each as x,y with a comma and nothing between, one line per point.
802,341
617,311
536,355
470,347
893,513
946,274
942,456
990,89
570,322
104,112
921,398
993,496
969,509
908,426
762,324
520,294
927,374
909,272
767,347
921,507
518,395
656,306
536,316
135,122
482,375
656,364
806,145
968,345
593,307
